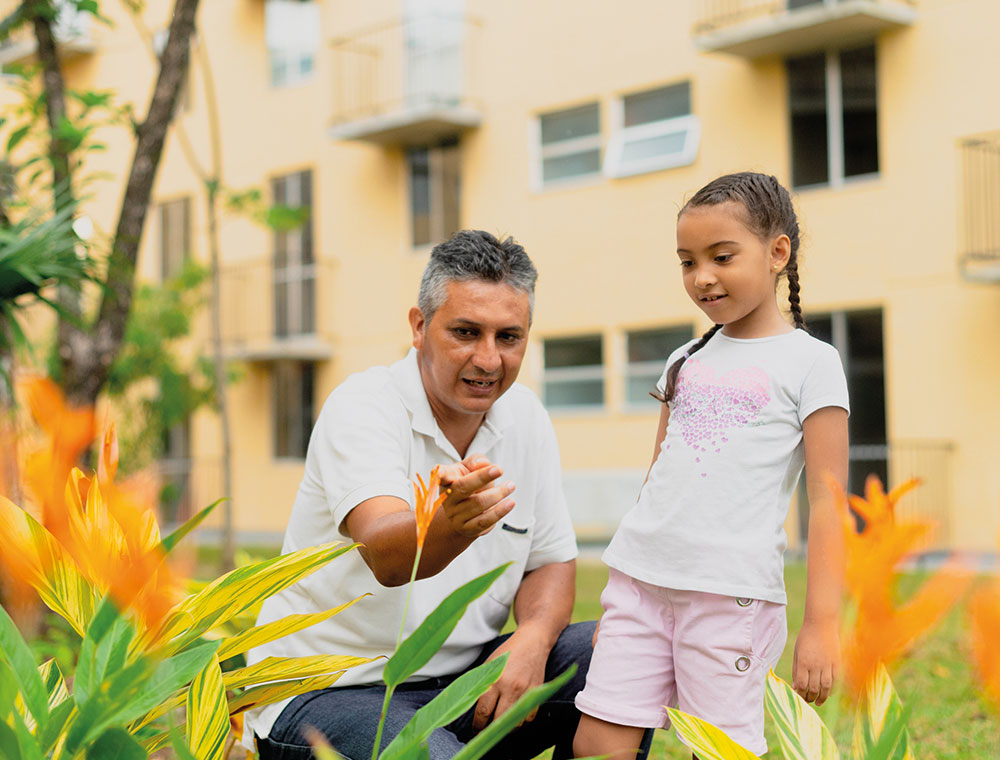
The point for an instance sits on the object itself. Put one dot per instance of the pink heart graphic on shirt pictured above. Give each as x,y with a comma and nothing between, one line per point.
707,406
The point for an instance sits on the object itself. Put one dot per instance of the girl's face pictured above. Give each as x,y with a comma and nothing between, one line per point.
729,272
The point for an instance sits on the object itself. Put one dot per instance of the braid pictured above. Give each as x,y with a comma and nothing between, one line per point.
794,305
675,368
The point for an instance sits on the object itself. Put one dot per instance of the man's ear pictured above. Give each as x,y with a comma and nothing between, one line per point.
417,324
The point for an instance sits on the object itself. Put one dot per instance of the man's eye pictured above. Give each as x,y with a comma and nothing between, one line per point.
508,337
464,332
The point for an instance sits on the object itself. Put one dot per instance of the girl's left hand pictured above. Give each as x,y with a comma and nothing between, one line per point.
816,661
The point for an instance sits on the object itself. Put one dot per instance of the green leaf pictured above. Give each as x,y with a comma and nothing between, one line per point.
59,717
880,727
171,675
28,746
262,634
17,136
8,743
705,740
431,634
116,743
174,538
240,590
208,715
93,657
499,727
801,733
8,691
452,702
15,652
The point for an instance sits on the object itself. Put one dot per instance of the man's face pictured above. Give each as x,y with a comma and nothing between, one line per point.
471,350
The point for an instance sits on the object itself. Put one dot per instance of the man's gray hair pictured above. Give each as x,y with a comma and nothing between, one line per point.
475,255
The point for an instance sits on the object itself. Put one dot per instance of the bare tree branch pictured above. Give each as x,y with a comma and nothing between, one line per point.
91,354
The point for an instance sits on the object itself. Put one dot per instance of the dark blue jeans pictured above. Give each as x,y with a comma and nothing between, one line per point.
348,716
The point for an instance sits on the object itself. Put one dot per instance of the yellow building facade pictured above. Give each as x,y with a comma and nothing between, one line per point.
580,130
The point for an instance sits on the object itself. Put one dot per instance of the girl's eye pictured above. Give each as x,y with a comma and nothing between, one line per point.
686,264
722,258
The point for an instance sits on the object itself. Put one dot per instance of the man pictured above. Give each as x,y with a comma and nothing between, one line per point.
452,401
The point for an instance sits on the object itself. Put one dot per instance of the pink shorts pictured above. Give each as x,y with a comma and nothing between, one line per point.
703,653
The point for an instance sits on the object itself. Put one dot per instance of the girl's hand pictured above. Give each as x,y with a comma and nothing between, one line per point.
816,661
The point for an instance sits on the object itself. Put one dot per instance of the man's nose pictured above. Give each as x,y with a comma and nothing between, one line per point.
486,357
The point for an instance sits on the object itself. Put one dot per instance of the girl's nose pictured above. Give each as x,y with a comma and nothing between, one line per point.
704,277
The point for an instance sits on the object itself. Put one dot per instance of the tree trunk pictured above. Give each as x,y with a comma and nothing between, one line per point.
90,353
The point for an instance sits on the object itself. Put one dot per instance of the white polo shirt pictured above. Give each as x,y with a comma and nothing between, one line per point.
374,435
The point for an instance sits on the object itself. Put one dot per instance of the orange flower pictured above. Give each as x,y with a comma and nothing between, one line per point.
984,613
427,502
882,632
106,530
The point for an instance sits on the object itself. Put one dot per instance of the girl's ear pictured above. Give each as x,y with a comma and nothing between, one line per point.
781,251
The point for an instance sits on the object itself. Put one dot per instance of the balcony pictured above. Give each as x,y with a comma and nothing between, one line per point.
72,31
270,313
979,231
759,28
405,82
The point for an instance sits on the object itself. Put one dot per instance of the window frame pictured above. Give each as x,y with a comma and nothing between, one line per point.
689,125
648,368
294,275
581,372
437,214
567,147
164,210
291,58
298,425
836,162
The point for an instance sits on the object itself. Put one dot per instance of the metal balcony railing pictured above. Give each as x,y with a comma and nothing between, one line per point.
755,28
894,463
405,81
270,313
979,229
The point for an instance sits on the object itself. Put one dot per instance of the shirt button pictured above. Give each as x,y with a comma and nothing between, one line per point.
742,663
744,601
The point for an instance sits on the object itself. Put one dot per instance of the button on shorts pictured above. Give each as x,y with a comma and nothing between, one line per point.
706,654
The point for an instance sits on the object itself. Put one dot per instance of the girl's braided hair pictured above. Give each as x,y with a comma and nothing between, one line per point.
769,212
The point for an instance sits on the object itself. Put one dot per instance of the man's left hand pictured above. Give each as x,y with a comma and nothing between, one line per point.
524,670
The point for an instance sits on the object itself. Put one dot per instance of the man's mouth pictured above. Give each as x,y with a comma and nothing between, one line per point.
479,383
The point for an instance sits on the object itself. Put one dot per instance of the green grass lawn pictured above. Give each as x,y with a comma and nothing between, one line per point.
948,718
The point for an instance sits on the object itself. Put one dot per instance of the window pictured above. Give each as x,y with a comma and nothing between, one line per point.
293,407
857,335
655,130
574,372
834,118
647,356
435,189
570,143
293,28
294,266
175,236
175,474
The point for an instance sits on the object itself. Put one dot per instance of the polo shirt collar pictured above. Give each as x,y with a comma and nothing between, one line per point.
406,376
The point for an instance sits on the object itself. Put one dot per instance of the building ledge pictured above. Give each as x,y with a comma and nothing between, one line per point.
419,125
980,268
309,348
806,29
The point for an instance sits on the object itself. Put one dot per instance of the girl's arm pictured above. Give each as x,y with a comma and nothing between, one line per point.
661,433
817,650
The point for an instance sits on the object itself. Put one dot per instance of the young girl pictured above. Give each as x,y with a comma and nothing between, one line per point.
694,609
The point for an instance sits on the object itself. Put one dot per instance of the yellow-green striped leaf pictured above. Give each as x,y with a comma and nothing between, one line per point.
801,733
270,669
207,714
54,682
880,727
35,553
237,591
705,740
275,692
262,634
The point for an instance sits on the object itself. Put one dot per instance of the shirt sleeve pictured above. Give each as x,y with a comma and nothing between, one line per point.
824,384
554,539
359,450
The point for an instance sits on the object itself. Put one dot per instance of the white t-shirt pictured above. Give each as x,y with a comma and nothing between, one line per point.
374,435
711,515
